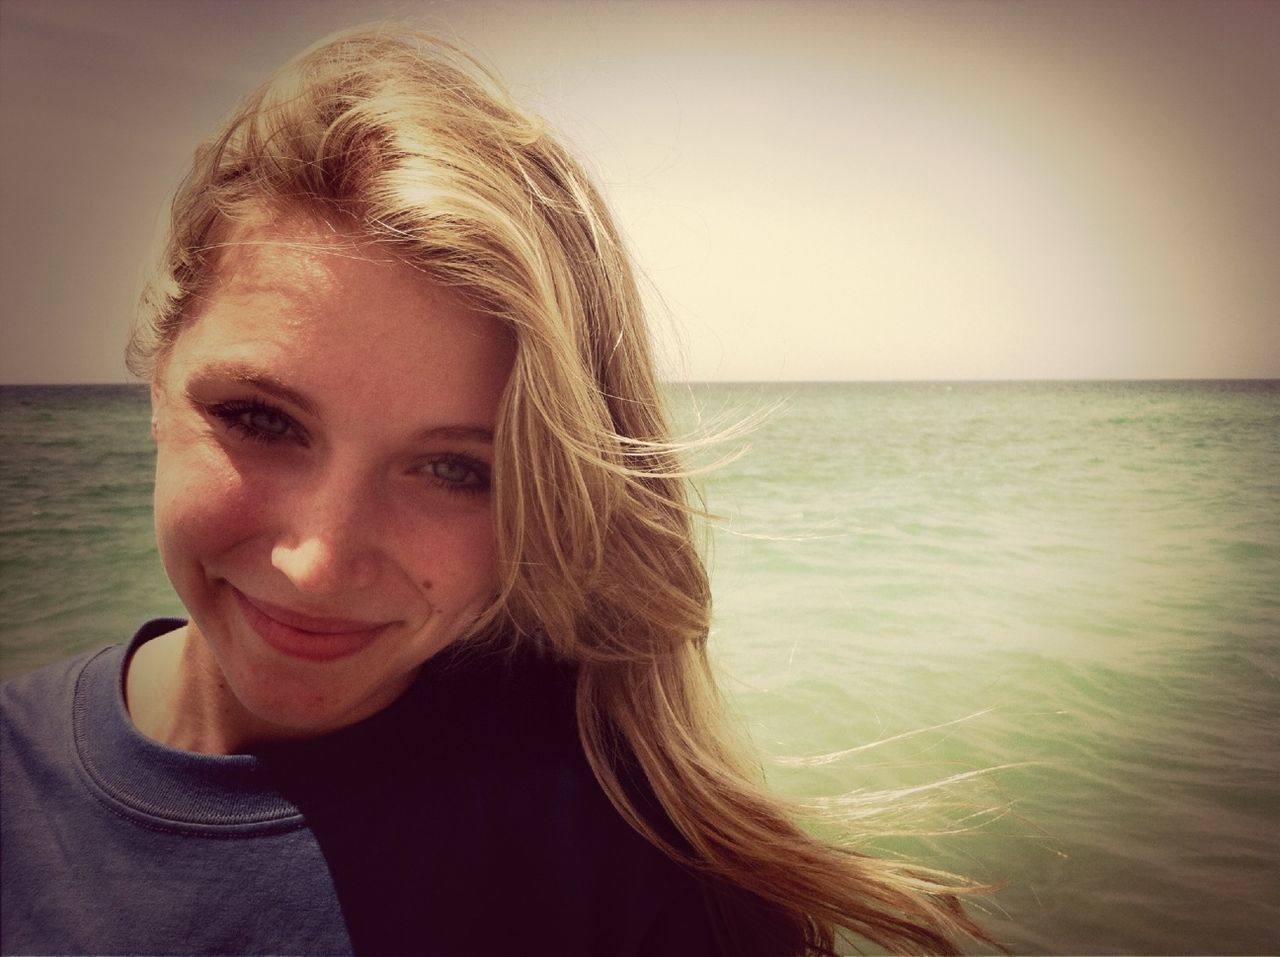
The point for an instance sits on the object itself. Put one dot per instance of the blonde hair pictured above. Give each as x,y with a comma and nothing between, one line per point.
422,149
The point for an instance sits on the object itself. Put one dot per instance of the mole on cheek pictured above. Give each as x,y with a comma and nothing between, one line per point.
426,585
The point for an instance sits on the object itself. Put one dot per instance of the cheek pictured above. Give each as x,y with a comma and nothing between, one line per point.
203,507
453,560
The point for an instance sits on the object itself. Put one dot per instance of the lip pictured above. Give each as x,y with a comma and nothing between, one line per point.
305,636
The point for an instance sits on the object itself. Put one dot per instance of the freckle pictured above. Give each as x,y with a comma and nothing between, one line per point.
427,584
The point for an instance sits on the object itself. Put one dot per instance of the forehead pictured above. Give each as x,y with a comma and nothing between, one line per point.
294,253
326,308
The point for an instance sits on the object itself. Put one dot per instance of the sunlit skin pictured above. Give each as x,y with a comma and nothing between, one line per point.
324,448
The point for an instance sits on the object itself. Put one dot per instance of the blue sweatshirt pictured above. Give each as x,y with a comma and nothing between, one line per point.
461,820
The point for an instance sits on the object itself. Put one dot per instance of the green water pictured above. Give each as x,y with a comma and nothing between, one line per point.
1091,569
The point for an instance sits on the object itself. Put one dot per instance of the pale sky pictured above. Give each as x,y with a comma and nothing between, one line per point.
849,190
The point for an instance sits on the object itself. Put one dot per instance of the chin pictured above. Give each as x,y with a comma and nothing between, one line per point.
292,700
286,691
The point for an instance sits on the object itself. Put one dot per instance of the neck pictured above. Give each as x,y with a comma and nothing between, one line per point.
176,695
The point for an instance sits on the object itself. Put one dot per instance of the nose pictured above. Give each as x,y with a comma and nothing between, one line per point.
328,546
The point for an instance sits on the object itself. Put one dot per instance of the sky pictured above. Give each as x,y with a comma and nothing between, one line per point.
916,190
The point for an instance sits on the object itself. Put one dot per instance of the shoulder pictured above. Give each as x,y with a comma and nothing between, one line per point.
495,808
44,713
38,706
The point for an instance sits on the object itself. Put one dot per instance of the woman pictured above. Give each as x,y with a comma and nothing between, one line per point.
444,688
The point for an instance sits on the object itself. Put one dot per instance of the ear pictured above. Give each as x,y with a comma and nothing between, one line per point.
155,409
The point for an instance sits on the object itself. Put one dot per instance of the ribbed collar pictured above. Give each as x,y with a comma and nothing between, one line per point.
452,708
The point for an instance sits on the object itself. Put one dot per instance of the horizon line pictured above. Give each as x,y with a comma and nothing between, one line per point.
141,383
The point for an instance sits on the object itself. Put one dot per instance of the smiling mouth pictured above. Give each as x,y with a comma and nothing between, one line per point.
298,635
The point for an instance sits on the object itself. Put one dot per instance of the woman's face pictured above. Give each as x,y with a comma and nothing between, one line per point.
324,444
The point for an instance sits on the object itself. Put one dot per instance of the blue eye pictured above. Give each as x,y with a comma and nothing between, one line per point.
459,474
254,419
451,471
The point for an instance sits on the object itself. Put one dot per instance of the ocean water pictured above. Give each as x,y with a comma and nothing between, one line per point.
1071,589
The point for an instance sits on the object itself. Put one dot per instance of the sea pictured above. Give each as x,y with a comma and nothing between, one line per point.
1028,632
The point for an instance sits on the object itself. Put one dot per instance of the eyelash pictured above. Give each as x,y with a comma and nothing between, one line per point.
236,415
478,469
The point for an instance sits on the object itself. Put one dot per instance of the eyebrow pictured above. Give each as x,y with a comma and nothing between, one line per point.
249,376
245,375
461,433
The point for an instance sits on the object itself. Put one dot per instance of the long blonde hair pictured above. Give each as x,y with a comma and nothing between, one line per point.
422,148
